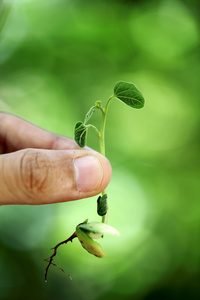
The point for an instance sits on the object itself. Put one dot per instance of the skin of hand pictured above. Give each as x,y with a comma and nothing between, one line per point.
39,167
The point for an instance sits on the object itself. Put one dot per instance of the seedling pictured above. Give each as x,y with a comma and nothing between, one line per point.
86,231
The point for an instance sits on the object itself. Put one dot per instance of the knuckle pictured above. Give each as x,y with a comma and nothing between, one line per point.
34,169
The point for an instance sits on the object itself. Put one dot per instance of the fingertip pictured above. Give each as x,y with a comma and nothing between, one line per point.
92,173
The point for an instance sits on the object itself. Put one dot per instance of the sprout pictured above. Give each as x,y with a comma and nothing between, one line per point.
86,232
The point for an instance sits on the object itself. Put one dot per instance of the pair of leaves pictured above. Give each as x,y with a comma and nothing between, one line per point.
127,92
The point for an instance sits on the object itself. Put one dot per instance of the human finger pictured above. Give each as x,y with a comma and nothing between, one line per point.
35,176
16,134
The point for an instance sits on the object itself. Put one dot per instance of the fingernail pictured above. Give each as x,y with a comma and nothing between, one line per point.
88,172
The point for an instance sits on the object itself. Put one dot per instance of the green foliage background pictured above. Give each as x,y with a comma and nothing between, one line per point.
57,57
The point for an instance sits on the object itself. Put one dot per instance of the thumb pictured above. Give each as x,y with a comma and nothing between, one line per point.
34,176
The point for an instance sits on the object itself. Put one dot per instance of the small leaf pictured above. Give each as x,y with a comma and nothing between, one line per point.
129,94
98,104
102,205
80,131
89,114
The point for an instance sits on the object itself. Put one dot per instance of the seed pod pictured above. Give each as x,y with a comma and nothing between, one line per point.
89,244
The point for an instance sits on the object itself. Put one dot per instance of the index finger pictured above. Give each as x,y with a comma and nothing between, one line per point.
17,134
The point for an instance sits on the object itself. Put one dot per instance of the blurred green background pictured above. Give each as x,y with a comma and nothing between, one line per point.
57,57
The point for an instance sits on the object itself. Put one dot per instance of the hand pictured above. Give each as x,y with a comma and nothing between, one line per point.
39,167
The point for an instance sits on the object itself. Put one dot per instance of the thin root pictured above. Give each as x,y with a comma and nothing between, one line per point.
50,259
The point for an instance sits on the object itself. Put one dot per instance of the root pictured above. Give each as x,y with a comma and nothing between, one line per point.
50,259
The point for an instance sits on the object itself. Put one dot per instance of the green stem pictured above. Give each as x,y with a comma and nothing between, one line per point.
102,144
103,124
92,126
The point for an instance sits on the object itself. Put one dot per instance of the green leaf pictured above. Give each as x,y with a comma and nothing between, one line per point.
80,132
89,114
102,205
129,94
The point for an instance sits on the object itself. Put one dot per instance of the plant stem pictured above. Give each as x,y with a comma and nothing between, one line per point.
92,126
102,144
